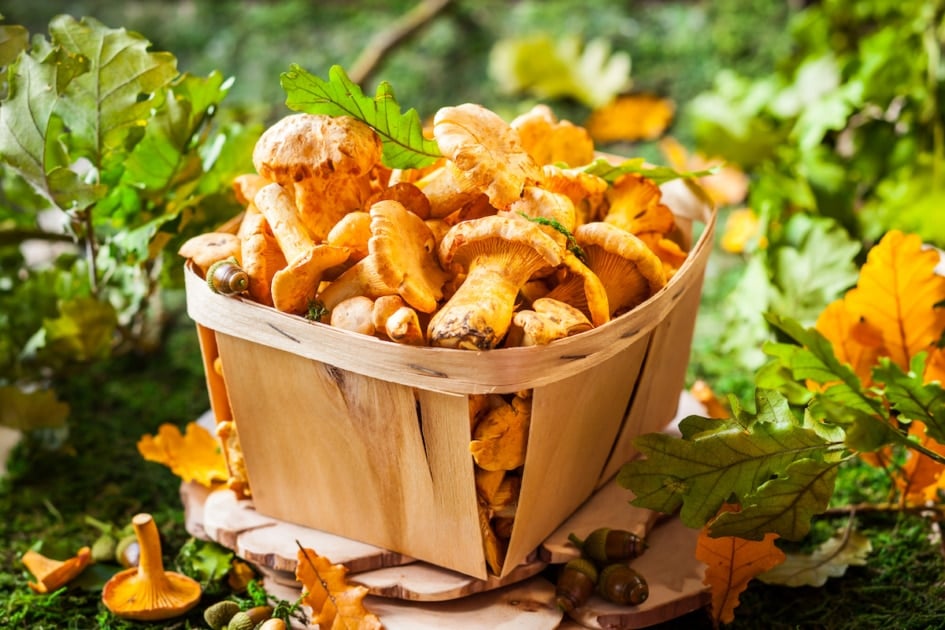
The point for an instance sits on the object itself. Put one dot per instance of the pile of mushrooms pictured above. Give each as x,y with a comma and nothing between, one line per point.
503,242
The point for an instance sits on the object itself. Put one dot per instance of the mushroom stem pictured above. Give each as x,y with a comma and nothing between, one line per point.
479,313
150,563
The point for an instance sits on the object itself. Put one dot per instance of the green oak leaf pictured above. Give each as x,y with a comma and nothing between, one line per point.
26,411
104,105
784,505
730,463
404,145
14,39
82,331
610,172
911,397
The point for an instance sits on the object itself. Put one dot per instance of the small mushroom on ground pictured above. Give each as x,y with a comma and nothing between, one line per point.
295,286
486,151
549,320
148,592
53,574
629,271
401,261
498,254
325,162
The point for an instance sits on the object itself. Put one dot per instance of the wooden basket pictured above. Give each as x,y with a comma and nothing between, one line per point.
369,439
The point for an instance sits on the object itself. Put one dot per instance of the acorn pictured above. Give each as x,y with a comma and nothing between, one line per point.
127,551
622,585
241,621
227,277
575,584
219,614
605,545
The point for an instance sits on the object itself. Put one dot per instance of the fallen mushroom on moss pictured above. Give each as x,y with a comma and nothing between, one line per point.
53,574
148,592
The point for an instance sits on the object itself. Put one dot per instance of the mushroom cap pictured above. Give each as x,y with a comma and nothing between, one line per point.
545,205
486,150
549,140
582,289
304,146
404,249
549,320
294,286
326,161
148,592
628,269
636,206
520,241
585,190
352,231
210,247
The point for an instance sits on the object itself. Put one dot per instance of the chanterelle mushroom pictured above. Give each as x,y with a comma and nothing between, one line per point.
486,151
325,161
549,319
628,269
148,592
499,255
51,574
401,260
295,286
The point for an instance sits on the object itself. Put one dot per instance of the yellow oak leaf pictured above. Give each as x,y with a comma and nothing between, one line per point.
195,455
335,604
742,228
896,293
630,118
731,563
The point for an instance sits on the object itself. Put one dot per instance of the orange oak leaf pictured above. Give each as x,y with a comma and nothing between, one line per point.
896,293
920,478
731,563
335,604
727,186
855,342
630,118
195,455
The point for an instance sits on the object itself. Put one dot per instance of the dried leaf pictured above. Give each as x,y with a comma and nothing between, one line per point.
731,563
335,603
630,118
896,293
194,456
830,559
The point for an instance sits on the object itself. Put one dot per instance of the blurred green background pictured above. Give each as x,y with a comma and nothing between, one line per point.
676,47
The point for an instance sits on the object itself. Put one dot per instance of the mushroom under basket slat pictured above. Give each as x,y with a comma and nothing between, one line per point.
368,439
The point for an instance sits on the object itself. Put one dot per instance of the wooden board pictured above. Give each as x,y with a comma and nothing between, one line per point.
673,575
